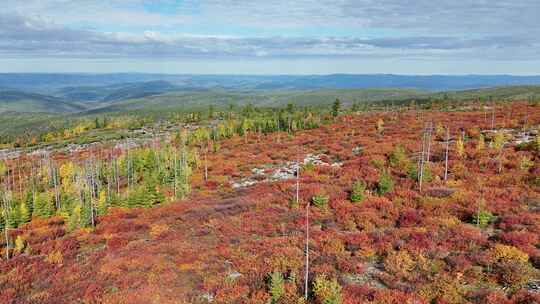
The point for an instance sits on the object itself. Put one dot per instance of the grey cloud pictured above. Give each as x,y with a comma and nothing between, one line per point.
463,17
21,36
18,28
466,16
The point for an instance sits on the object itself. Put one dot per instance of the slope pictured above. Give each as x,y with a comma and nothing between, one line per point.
115,92
17,101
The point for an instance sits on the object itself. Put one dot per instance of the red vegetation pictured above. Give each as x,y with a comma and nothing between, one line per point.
220,244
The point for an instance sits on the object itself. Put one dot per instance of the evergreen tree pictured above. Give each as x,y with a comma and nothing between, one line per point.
358,190
25,215
355,107
102,204
277,286
336,107
385,184
29,200
74,218
2,220
13,217
43,206
86,210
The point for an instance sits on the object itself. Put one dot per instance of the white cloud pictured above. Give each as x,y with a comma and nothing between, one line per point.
21,36
261,30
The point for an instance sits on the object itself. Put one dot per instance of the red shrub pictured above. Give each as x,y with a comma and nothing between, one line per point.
526,241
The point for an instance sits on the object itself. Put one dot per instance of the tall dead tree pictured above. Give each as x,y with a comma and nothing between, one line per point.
485,114
499,158
19,176
4,197
446,154
306,275
33,172
205,164
492,116
430,131
175,166
7,210
420,171
297,199
56,185
117,175
128,168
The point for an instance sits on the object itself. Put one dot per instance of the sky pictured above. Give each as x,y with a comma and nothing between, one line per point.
271,36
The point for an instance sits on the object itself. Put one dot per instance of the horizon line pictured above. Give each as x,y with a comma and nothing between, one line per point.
270,74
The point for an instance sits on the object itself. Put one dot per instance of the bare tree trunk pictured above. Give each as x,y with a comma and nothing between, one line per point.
55,183
8,180
19,177
429,141
492,116
33,182
500,160
298,183
446,154
422,155
175,174
117,176
306,277
108,173
128,161
205,166
6,227
92,194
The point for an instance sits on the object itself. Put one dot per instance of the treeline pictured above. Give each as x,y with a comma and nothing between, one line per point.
246,118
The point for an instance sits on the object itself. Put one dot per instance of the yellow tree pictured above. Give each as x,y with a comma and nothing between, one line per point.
380,126
3,168
67,171
481,143
460,147
102,202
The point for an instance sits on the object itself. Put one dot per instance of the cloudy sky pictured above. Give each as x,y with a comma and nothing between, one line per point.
271,36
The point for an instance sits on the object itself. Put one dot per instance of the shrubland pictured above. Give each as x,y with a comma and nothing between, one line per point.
80,230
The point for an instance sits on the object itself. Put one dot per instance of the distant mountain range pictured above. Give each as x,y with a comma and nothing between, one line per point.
71,93
48,83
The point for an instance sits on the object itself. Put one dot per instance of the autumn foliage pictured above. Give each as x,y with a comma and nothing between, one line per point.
374,236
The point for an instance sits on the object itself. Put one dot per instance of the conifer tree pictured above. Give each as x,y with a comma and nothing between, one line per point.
2,220
74,218
43,205
102,204
336,106
25,214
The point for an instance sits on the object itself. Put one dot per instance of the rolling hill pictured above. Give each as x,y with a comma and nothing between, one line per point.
199,100
164,96
48,83
17,101
115,92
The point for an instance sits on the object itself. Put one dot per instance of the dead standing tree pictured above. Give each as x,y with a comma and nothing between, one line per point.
446,154
492,115
306,274
425,153
7,210
4,174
